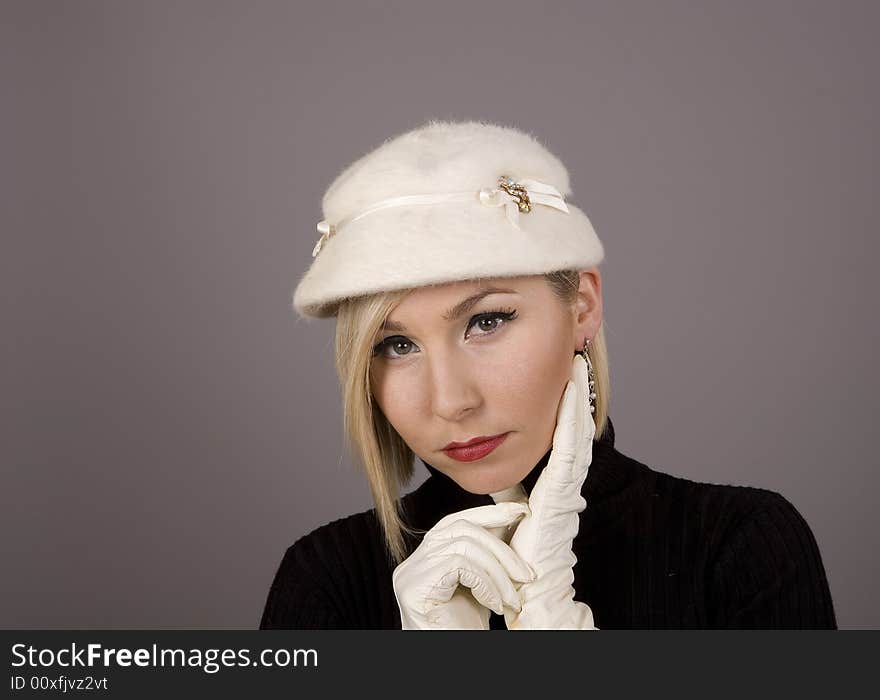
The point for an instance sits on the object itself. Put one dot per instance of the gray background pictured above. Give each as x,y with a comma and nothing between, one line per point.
169,428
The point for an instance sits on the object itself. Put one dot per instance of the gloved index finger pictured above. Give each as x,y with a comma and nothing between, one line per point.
574,428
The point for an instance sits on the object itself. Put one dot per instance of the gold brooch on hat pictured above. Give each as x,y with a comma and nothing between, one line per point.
517,191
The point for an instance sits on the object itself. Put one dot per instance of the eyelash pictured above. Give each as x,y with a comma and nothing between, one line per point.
506,315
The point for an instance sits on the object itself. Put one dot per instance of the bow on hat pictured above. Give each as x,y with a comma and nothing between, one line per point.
515,197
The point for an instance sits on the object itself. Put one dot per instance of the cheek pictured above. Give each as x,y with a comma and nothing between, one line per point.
535,379
398,398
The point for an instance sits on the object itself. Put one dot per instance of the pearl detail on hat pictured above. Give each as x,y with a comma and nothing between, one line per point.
515,197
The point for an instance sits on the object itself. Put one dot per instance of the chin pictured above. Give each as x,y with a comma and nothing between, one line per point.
489,482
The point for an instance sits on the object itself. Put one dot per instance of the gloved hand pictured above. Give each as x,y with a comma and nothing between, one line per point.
543,538
464,548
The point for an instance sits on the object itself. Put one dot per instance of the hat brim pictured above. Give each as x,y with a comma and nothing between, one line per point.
408,247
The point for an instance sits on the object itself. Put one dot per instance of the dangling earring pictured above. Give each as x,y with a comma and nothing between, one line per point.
586,355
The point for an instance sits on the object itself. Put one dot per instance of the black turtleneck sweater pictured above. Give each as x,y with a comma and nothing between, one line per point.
653,551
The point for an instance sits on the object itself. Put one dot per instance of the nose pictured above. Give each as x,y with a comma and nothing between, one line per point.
454,391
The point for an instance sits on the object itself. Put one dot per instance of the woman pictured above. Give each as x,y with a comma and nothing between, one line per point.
469,334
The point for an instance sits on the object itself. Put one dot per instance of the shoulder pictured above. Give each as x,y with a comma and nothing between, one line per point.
622,477
728,517
311,586
768,570
763,568
762,563
738,515
328,548
730,504
756,524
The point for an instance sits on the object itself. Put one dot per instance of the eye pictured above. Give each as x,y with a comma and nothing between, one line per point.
488,323
492,317
395,341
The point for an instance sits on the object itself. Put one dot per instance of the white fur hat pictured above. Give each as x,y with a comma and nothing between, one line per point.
428,207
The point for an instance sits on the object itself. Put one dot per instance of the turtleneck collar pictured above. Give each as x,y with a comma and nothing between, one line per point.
599,476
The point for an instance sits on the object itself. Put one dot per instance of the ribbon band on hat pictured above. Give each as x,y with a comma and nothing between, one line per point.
514,196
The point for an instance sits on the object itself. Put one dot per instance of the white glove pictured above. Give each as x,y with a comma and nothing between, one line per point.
544,537
460,549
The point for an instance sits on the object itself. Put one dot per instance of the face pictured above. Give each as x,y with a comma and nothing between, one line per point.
479,359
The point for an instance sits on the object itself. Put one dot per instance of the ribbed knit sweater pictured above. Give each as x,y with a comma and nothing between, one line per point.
653,551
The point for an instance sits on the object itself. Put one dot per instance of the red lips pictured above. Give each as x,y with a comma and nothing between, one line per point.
475,448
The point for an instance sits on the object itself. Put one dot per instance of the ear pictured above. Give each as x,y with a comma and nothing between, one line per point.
587,307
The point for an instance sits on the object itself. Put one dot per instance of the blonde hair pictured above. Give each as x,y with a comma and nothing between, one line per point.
384,457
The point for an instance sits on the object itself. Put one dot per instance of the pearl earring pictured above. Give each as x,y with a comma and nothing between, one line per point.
586,355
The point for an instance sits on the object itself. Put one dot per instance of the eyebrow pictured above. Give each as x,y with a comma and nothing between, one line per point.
459,309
